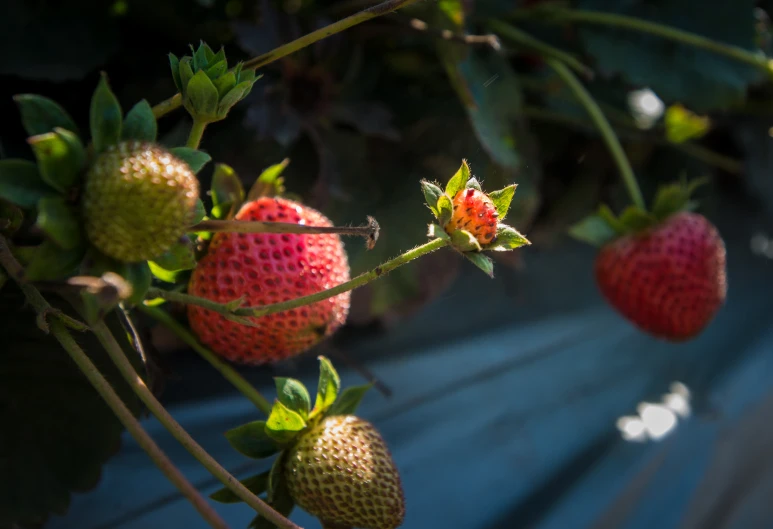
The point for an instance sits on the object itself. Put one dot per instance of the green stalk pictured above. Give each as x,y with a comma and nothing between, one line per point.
224,368
197,132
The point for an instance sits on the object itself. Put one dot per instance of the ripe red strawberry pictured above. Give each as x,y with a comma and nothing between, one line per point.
669,279
341,471
475,212
265,269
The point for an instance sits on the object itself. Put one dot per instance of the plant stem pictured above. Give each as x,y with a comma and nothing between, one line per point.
524,39
375,11
225,369
157,409
607,133
59,330
197,132
564,14
265,310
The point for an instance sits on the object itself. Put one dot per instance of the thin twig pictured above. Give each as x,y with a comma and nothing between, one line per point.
490,40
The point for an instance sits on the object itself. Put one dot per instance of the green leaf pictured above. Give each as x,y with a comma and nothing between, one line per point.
458,181
283,424
508,238
594,230
201,56
180,256
464,241
195,159
431,195
349,400
294,395
224,83
257,484
51,262
445,209
162,274
60,221
216,70
174,65
436,232
201,211
201,96
473,183
683,125
186,74
327,388
252,440
11,218
482,262
673,198
105,117
610,218
227,190
233,96
57,432
270,181
21,183
278,496
140,123
40,115
140,278
219,56
61,158
633,218
502,200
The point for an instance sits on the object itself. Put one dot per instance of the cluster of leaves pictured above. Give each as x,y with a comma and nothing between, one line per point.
291,416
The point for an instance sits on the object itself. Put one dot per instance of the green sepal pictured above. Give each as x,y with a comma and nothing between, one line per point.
105,116
162,274
432,194
174,65
349,400
634,218
594,230
215,70
246,75
270,181
140,123
61,158
227,191
606,213
675,197
40,115
200,212
294,395
257,484
481,261
507,238
224,83
464,241
201,99
51,262
283,424
502,200
436,232
252,440
22,184
327,388
180,256
59,220
233,96
445,209
218,57
195,159
473,183
186,74
201,56
459,180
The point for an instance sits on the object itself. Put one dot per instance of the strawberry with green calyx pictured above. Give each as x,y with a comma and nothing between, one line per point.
664,270
470,219
330,463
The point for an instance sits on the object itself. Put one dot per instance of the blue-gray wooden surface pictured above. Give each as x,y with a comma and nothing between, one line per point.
509,420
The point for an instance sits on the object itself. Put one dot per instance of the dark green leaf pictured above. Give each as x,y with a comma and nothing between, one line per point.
180,256
502,200
195,159
278,496
216,70
201,56
464,241
445,209
227,190
105,117
270,181
201,211
202,96
60,221
349,400
61,158
11,218
481,261
257,484
327,388
233,96
21,184
217,57
140,123
50,262
140,278
40,115
57,432
283,424
293,394
508,238
252,440
174,64
473,183
594,230
634,219
186,74
225,83
459,180
436,232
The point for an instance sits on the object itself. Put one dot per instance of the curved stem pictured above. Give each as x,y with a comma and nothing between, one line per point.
178,432
168,105
225,369
607,133
197,132
360,280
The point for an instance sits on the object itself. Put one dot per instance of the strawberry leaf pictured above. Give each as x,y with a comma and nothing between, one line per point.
682,125
482,262
634,219
201,212
675,197
445,209
278,496
464,241
458,181
349,400
327,388
594,230
59,220
21,183
283,424
105,117
201,96
60,156
270,182
508,238
436,232
473,183
257,484
432,194
196,160
180,256
40,115
227,191
252,440
140,123
294,395
51,262
174,65
610,218
502,200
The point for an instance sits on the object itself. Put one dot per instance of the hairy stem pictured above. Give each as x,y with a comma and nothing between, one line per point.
607,133
178,432
59,331
197,132
265,310
225,369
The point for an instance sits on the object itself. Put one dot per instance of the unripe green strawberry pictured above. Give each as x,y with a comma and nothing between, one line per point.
475,212
341,471
138,200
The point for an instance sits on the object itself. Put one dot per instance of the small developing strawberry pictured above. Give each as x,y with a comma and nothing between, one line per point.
138,200
265,269
341,471
475,212
669,280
